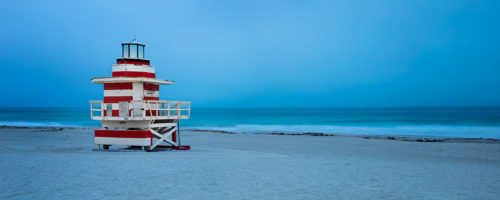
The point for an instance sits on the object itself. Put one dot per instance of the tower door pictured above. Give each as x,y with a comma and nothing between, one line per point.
137,91
137,109
138,96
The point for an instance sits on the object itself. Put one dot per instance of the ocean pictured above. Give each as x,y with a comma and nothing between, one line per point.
461,122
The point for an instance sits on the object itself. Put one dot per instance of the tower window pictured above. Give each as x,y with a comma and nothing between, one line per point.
141,51
133,51
125,51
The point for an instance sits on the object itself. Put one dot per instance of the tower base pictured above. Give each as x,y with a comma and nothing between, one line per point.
147,139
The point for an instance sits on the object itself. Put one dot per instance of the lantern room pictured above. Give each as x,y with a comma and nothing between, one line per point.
133,53
133,49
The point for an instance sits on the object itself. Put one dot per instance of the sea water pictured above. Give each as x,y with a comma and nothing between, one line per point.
463,122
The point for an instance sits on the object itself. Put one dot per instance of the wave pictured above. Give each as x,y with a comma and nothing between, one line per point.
35,124
432,131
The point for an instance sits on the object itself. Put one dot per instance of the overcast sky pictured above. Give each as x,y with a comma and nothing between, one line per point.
258,53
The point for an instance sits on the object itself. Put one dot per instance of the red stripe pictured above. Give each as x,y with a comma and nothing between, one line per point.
117,99
151,87
133,62
116,113
174,136
133,74
122,134
174,147
117,86
151,98
151,113
182,148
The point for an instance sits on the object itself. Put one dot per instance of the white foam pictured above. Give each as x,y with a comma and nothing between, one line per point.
32,124
402,130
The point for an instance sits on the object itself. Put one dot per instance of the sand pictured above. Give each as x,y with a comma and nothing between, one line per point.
54,163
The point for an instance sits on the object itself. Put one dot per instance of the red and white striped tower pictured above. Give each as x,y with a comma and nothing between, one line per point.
132,113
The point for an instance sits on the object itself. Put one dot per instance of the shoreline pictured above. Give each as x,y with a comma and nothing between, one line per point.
315,134
380,137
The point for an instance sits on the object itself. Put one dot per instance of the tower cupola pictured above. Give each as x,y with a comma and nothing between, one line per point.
133,50
133,53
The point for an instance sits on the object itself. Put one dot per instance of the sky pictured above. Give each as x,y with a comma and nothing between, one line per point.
258,53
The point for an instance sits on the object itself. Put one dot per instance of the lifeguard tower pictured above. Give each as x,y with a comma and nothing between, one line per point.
132,113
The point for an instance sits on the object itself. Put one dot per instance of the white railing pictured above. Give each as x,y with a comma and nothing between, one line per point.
141,110
94,109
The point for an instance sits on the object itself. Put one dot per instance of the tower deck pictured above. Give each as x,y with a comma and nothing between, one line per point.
142,110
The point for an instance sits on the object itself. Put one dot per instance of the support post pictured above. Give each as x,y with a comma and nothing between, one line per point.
178,134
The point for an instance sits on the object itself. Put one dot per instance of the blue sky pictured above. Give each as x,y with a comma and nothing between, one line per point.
258,53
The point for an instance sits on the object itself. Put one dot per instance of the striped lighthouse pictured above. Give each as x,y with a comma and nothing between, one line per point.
132,113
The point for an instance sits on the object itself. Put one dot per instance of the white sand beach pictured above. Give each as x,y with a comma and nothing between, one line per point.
54,163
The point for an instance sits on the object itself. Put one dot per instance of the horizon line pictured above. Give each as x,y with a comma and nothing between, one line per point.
269,107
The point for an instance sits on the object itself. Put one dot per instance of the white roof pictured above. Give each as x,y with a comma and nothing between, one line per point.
132,79
133,42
